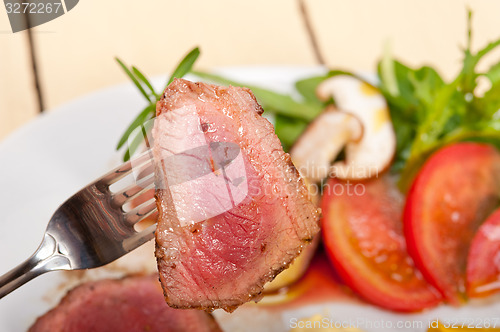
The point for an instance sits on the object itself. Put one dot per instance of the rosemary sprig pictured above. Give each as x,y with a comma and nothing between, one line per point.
138,121
134,79
136,137
185,65
143,79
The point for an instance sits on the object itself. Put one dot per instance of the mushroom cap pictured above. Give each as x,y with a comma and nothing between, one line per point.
314,151
373,153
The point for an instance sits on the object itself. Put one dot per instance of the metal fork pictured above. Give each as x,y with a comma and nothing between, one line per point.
91,228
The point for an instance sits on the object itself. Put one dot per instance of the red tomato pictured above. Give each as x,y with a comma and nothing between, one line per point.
363,236
455,190
483,262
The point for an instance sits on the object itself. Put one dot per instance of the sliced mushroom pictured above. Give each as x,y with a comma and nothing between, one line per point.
363,128
373,153
312,155
322,141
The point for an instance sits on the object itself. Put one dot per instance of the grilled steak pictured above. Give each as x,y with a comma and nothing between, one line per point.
130,304
233,210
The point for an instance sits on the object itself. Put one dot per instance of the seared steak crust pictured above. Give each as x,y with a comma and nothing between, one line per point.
222,236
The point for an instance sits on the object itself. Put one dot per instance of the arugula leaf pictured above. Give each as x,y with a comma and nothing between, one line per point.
426,84
288,130
489,104
307,87
469,81
428,113
402,95
387,73
493,74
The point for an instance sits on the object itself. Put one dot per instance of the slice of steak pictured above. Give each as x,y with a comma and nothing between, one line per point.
130,304
233,210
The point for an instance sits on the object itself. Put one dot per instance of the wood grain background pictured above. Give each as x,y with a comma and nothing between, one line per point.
74,54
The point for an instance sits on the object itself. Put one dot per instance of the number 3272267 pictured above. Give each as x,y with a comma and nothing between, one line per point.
33,8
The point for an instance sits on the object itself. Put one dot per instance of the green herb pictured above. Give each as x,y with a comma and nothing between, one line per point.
143,79
307,87
185,65
428,112
291,115
133,78
145,115
135,142
271,101
288,130
136,137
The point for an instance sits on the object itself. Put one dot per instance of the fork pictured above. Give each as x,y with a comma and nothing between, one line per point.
91,228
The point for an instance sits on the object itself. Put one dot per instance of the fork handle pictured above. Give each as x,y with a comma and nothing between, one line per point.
48,257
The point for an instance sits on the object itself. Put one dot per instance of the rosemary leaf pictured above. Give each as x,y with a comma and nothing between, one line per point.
143,78
185,65
139,137
146,113
132,77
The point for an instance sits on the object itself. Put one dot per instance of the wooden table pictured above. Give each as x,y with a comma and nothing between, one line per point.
74,53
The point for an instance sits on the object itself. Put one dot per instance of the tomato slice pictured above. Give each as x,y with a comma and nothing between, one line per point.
363,237
483,262
453,193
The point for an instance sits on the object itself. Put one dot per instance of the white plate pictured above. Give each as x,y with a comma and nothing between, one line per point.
52,157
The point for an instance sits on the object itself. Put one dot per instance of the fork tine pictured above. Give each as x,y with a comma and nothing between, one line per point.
140,238
141,212
134,190
121,171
